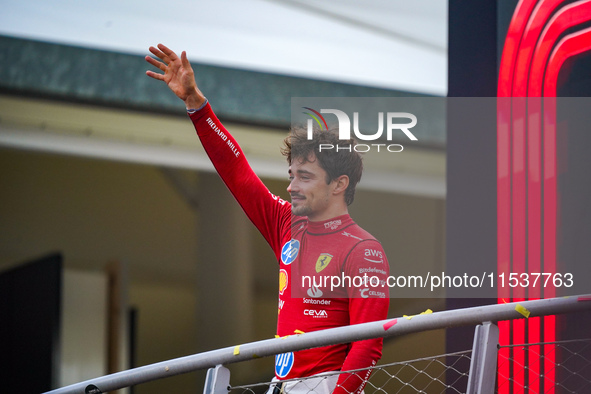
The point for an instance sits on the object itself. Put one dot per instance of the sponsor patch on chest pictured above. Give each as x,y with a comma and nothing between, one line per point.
290,251
283,280
316,313
333,224
323,261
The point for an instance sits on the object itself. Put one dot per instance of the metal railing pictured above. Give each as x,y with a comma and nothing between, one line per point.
570,366
422,375
569,362
481,377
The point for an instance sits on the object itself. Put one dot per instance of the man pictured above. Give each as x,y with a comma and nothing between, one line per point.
311,236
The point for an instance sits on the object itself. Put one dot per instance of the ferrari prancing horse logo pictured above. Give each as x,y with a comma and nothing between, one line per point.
323,261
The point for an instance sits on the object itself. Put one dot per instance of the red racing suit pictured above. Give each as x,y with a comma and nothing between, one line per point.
311,256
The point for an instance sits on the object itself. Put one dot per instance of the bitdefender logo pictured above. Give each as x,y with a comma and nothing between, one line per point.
344,127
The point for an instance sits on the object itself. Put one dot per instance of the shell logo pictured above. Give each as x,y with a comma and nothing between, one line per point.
283,280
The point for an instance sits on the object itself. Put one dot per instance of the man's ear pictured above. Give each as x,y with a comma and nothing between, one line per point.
341,184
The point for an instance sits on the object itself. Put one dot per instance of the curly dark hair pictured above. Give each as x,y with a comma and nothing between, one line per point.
342,159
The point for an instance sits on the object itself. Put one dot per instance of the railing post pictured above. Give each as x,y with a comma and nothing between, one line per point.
217,380
483,366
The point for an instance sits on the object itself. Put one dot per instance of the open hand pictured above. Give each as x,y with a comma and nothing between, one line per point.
178,75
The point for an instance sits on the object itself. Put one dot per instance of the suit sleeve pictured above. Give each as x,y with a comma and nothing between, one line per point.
367,303
270,214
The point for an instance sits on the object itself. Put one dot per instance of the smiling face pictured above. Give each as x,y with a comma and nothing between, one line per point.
310,193
341,162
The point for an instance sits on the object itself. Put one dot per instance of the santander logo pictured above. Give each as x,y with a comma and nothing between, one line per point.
314,292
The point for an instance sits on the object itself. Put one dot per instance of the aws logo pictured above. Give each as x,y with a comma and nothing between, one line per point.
374,256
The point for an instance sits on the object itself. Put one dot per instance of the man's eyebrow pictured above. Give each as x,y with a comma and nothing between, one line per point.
300,172
305,172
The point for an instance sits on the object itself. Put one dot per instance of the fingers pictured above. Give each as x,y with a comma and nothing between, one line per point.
154,75
168,52
155,63
158,65
185,61
167,56
164,53
158,53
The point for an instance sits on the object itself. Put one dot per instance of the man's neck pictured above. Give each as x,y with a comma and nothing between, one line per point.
329,214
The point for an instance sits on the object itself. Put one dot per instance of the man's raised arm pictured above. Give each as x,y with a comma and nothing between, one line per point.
269,214
178,75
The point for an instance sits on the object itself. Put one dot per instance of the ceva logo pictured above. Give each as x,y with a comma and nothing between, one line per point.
315,313
345,128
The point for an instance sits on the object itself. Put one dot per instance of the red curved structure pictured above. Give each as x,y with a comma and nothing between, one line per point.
542,37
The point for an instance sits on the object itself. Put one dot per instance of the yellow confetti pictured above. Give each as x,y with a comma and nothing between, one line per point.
522,310
237,350
427,312
298,332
